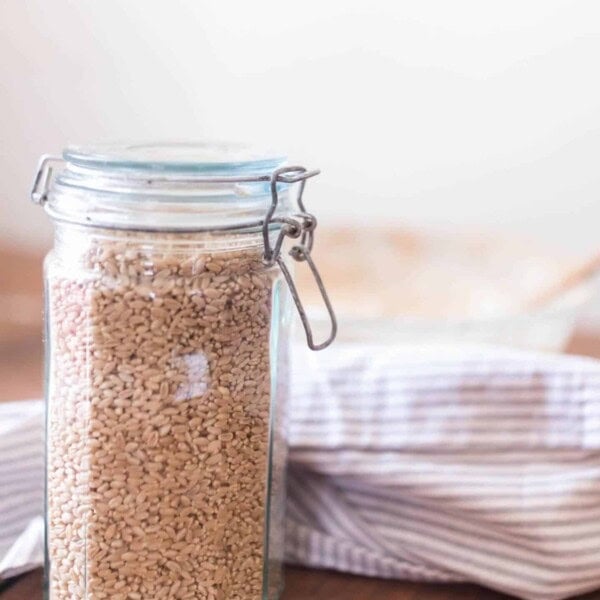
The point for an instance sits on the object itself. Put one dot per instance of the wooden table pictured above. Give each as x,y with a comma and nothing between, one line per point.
21,376
310,584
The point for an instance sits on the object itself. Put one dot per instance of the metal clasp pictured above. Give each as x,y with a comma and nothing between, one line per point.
302,226
43,176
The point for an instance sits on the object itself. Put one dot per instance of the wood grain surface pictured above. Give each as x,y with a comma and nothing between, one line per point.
21,377
311,584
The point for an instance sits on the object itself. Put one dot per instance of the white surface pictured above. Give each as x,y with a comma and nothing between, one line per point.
27,551
467,112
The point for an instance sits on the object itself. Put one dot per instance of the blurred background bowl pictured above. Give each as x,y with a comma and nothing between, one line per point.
407,286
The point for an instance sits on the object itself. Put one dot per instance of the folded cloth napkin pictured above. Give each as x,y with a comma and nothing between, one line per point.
439,464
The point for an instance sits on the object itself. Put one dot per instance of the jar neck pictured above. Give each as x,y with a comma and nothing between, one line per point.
130,200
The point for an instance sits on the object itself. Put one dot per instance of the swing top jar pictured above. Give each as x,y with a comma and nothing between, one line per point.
168,306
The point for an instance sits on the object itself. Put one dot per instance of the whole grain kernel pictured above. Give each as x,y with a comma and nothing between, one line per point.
159,401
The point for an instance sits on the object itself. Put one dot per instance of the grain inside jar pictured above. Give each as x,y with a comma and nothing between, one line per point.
159,401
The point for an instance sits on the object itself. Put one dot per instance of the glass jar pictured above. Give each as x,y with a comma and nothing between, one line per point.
167,326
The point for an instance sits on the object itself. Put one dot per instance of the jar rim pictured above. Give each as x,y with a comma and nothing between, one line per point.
200,158
170,186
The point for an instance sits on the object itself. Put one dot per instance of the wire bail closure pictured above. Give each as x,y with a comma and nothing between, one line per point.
302,226
43,176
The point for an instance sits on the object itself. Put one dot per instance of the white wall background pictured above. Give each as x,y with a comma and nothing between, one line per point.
470,112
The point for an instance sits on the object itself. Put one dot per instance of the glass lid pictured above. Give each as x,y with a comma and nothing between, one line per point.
192,158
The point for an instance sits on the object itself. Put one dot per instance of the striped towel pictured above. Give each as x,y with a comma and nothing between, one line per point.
21,486
438,464
446,464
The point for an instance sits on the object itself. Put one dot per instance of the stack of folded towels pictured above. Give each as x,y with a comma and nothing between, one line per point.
440,464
